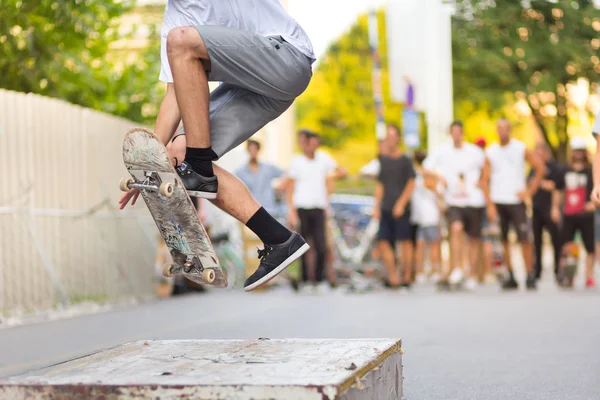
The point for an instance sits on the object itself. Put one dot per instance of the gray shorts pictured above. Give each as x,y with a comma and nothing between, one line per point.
428,233
260,78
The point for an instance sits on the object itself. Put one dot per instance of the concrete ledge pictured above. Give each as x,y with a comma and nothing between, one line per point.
302,369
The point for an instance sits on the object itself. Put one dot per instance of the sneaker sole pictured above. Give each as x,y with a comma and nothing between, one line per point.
204,195
278,270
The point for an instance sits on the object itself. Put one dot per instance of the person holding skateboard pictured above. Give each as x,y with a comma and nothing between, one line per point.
263,59
461,166
573,191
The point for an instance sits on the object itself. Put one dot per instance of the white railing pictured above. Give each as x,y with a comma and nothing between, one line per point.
62,237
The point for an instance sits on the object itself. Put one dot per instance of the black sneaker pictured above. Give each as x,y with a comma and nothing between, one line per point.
196,184
274,259
531,282
510,284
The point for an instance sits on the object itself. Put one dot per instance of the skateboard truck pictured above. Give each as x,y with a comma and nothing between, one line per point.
208,274
152,182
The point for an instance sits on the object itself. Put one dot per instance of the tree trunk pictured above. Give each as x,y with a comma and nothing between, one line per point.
539,121
561,124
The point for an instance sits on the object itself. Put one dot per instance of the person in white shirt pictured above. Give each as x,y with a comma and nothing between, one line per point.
509,189
461,166
308,199
263,59
426,213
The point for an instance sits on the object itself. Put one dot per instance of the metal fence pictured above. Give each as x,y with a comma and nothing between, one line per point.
62,237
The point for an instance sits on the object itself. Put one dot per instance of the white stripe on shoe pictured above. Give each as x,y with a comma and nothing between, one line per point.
297,254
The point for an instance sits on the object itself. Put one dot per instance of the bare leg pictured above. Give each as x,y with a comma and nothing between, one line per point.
234,197
187,58
527,249
589,265
487,258
407,250
507,258
456,241
474,255
389,261
420,255
435,256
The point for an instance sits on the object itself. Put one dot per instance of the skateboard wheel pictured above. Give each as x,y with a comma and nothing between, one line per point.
209,275
166,189
124,184
167,270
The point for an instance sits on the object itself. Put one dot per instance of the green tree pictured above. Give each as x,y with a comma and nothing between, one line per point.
339,101
531,51
62,49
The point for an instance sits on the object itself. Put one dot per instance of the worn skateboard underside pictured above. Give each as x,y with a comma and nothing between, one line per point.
175,216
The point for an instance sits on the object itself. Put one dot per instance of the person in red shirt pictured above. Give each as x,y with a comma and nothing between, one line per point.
573,190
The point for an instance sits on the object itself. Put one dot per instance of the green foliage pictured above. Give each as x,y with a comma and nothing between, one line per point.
530,50
63,49
339,100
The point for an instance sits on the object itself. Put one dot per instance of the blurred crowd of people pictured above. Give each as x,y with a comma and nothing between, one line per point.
467,192
477,191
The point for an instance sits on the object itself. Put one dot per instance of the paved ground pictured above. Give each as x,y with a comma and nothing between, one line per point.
483,345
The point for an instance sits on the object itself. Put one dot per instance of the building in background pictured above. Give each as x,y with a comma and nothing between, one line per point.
420,55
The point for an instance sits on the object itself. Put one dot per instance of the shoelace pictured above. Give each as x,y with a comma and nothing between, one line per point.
262,253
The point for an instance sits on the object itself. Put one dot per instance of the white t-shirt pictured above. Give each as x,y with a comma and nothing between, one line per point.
262,17
508,171
461,168
596,127
310,190
424,209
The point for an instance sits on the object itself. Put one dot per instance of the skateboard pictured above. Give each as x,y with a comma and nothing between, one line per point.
151,171
498,265
444,285
569,258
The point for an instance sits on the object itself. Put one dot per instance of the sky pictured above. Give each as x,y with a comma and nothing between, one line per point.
325,20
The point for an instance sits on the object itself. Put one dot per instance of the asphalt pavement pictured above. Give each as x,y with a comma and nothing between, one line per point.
482,345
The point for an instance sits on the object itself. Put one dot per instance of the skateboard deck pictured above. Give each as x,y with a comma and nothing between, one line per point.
151,171
569,258
498,265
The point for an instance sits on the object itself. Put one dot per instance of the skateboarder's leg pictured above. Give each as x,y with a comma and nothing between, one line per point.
265,66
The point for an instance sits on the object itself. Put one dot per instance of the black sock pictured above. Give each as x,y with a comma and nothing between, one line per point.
201,160
267,228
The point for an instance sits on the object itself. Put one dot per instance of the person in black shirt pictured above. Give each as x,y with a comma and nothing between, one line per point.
542,205
394,189
573,190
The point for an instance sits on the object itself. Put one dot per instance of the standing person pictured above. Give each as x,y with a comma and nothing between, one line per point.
509,189
308,200
264,60
573,190
486,243
425,209
542,205
393,191
258,176
462,166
